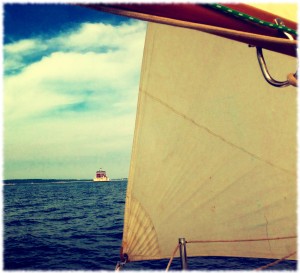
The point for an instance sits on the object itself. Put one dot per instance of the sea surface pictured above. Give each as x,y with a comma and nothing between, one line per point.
77,225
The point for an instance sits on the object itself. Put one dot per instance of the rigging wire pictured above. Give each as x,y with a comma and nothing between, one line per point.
121,264
172,257
242,240
236,241
276,262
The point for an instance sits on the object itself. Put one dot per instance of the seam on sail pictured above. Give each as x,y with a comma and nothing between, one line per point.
267,233
214,134
260,210
230,185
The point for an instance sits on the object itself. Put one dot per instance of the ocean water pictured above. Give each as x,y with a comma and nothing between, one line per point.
77,225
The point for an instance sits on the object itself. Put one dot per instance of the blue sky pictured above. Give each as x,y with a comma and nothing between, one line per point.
71,77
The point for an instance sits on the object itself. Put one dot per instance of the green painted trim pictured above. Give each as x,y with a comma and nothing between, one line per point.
244,16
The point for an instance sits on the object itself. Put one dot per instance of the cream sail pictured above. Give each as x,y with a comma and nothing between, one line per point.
214,154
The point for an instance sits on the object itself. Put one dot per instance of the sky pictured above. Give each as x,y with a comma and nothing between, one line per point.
71,79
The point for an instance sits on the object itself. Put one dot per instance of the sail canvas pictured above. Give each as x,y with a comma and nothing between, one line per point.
214,152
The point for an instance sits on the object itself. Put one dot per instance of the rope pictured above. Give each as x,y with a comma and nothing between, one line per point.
276,262
244,16
235,241
242,240
172,257
250,240
118,266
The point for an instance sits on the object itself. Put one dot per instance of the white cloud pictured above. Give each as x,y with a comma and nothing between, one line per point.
97,67
97,35
14,53
21,46
59,78
54,79
89,37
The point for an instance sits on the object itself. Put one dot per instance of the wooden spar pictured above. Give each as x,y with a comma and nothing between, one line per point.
203,18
